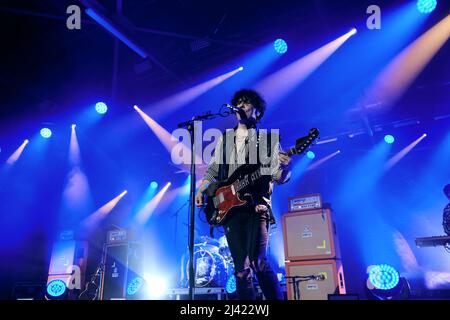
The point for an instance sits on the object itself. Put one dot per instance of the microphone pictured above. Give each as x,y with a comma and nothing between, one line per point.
240,111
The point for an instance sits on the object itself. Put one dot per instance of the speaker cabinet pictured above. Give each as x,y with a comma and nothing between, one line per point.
68,263
123,263
310,235
331,272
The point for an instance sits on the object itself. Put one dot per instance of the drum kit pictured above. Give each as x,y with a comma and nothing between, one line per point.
213,264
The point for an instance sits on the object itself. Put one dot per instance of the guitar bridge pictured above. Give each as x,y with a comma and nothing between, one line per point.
216,202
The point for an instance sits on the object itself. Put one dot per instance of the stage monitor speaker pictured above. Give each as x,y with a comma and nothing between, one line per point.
123,264
310,235
68,263
330,271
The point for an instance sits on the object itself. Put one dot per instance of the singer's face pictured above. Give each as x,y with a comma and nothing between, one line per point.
246,105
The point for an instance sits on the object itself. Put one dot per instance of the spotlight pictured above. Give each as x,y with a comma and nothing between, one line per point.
310,155
383,276
156,286
384,283
154,185
56,289
426,6
241,68
26,141
101,107
74,126
353,31
231,284
389,139
280,46
46,133
135,288
136,108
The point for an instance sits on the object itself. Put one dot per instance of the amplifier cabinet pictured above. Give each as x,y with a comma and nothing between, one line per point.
123,264
330,271
310,235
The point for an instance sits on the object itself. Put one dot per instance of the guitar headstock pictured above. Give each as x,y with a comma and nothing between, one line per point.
303,143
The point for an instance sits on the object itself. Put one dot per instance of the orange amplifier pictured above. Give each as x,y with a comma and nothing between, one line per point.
310,235
326,277
306,202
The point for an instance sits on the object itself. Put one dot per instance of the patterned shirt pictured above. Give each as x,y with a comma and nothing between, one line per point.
236,158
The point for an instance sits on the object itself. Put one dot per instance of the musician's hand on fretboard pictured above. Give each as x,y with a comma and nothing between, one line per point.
284,159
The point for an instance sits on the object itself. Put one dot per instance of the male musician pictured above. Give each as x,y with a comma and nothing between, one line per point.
246,230
446,213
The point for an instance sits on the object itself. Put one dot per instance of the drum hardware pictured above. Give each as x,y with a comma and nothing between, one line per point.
213,264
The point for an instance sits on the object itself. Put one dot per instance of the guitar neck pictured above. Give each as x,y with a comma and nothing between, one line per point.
291,152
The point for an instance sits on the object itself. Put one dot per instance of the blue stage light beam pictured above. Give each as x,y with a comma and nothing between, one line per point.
95,218
299,167
16,155
108,25
393,81
395,159
178,100
76,197
145,213
364,173
279,84
318,163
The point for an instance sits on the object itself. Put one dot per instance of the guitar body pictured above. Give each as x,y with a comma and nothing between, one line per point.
223,198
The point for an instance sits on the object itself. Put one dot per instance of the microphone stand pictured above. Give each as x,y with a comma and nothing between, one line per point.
176,229
190,126
295,280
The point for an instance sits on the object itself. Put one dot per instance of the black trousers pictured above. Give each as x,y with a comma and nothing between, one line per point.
247,234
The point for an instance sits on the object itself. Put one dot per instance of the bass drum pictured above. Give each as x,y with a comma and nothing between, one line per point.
211,269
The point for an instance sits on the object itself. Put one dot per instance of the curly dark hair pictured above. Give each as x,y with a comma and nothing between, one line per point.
254,98
446,189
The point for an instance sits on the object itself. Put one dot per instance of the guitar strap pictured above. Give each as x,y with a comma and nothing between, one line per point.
269,154
223,166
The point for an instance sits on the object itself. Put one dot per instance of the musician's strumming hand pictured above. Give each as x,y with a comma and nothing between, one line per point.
199,195
284,159
199,199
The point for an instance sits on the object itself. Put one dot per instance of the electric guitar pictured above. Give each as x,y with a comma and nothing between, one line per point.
225,196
